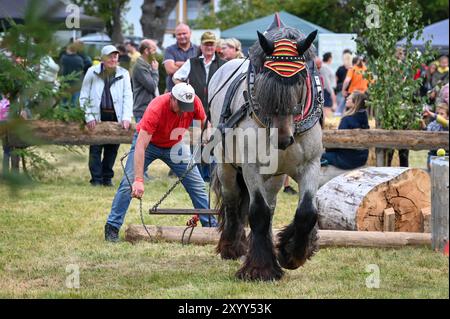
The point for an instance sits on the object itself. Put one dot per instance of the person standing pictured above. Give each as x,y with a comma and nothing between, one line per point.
341,74
124,58
106,95
355,81
177,54
153,140
133,53
329,84
145,78
198,71
232,49
72,64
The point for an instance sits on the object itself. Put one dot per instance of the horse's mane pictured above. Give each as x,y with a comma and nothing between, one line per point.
276,94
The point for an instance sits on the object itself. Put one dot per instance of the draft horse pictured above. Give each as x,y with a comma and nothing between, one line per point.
277,88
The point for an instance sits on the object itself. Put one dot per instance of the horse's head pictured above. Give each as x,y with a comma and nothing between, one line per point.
280,59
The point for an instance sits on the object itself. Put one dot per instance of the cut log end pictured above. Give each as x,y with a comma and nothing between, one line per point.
375,199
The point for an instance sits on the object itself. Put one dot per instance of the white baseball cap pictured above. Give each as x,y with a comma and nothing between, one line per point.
108,49
185,95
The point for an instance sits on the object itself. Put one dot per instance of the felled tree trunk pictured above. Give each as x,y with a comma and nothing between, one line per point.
327,238
357,200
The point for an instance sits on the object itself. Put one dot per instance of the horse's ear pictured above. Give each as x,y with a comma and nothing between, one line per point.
304,44
265,44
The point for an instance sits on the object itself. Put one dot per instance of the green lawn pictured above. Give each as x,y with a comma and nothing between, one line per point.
56,224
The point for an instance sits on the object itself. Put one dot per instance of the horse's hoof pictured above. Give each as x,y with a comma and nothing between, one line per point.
250,273
292,256
230,252
288,262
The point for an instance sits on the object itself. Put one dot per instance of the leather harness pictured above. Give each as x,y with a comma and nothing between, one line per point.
305,116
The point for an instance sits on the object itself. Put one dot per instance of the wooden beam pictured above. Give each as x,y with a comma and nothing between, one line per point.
62,133
396,139
175,211
426,217
327,238
389,220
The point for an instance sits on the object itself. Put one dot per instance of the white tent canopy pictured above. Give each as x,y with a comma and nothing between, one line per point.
95,38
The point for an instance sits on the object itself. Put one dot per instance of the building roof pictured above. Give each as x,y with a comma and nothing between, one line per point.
246,32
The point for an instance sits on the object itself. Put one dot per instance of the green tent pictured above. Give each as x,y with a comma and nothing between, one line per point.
246,33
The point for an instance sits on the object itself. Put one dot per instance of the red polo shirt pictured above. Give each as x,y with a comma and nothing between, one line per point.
159,120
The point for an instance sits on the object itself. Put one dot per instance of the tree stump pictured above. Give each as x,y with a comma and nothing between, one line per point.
439,202
329,172
357,200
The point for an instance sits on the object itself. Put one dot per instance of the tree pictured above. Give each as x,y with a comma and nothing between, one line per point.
334,15
235,12
24,50
392,88
111,12
154,18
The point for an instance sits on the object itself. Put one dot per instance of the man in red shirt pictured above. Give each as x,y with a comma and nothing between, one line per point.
159,131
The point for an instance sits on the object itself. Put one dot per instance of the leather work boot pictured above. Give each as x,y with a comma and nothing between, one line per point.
111,233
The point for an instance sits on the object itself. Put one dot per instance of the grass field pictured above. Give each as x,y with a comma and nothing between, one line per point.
51,228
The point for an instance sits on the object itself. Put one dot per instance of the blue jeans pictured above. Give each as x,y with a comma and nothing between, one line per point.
193,183
341,104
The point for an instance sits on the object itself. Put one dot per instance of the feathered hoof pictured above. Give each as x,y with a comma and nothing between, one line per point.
233,252
293,251
254,273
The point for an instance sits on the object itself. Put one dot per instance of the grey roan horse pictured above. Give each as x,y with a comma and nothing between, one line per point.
280,94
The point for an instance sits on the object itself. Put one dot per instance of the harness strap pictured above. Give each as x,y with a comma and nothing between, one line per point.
226,108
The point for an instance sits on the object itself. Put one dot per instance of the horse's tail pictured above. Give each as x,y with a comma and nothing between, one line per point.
216,187
220,207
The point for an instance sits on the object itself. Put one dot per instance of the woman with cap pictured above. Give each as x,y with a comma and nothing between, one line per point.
106,95
159,136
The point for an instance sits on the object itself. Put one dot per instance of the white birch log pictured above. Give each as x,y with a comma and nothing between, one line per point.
356,200
439,205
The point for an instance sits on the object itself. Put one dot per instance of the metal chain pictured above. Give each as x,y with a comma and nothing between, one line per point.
190,167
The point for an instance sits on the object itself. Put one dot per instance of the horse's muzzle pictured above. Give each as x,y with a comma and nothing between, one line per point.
285,143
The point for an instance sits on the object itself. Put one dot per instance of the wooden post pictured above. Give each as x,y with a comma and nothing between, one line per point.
439,202
389,219
379,154
426,217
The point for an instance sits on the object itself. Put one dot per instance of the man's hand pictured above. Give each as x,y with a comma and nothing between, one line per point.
155,65
137,189
91,124
126,125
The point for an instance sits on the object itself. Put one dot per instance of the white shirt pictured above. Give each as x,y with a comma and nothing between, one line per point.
183,73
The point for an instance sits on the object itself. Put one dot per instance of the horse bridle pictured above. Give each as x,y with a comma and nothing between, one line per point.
303,121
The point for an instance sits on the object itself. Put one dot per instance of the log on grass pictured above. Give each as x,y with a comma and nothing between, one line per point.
357,200
327,238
